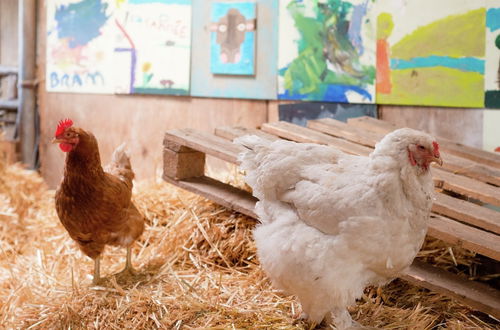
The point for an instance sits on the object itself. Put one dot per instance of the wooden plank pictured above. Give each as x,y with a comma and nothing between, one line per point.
9,104
449,181
304,134
221,193
457,149
474,294
206,143
231,133
466,186
465,211
470,238
7,70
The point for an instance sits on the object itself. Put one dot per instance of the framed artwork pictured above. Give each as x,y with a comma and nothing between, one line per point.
232,42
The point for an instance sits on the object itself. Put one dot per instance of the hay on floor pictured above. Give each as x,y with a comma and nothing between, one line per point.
197,268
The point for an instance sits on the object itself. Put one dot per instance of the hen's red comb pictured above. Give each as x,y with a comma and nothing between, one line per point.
436,148
63,124
497,149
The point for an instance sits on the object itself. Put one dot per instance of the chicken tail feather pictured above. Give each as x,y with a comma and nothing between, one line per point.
120,165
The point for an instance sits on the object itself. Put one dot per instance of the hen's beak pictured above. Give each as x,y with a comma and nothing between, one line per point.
437,160
56,140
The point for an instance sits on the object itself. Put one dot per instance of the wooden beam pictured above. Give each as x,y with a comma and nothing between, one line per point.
204,142
8,70
470,238
303,134
457,149
9,104
221,193
231,133
467,212
477,295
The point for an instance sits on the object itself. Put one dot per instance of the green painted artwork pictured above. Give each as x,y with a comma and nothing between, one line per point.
438,60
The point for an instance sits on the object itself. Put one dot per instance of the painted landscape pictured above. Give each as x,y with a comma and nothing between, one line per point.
327,51
449,71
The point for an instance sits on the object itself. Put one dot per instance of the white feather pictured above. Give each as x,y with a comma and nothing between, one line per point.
334,223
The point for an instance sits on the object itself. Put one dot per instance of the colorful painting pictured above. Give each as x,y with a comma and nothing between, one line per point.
232,48
260,85
301,112
431,53
327,51
492,72
80,35
152,52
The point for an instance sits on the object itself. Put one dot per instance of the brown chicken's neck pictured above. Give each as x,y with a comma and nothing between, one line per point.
84,159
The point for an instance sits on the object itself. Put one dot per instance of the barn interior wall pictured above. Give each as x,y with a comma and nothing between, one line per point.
142,120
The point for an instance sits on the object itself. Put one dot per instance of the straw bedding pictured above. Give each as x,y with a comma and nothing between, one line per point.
197,268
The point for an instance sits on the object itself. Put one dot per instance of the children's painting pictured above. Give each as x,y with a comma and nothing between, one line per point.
153,47
492,72
80,35
431,52
302,112
232,49
327,51
231,83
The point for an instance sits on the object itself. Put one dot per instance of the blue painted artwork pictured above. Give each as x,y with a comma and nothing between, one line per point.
232,49
80,35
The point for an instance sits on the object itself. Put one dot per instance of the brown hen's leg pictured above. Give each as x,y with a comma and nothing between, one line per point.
97,270
128,263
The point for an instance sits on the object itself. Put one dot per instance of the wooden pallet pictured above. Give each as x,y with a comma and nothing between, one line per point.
456,221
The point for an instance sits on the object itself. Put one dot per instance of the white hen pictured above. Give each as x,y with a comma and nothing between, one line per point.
332,223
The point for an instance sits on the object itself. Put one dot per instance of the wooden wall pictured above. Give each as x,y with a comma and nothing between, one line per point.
142,120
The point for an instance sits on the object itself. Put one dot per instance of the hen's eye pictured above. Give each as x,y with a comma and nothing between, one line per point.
421,147
67,134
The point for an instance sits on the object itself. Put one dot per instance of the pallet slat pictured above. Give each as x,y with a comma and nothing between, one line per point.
456,183
458,149
304,134
477,295
456,233
204,142
230,133
465,211
221,193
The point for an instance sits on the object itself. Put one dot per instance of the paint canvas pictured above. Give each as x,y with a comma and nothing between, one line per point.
232,43
492,72
80,35
300,113
431,52
327,51
259,85
152,51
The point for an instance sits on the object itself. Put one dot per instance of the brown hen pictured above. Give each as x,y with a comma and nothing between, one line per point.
94,204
